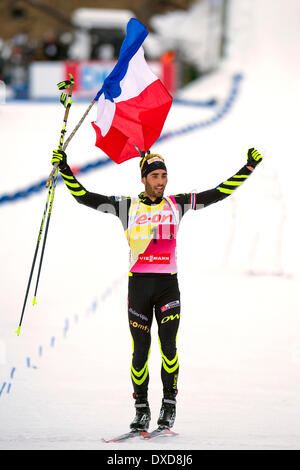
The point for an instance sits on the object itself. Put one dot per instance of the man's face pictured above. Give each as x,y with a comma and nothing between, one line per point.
155,183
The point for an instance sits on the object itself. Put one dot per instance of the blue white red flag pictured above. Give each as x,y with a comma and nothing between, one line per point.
133,103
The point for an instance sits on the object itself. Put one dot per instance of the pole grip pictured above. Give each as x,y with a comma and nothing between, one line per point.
70,137
62,134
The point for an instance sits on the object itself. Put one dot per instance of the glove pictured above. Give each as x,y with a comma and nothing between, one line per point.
253,157
60,157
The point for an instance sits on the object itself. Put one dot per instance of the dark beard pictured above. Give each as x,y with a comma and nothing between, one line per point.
150,191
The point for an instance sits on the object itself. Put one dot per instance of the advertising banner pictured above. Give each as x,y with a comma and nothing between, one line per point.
88,75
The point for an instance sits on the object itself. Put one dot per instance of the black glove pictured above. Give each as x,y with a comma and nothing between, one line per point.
253,157
60,157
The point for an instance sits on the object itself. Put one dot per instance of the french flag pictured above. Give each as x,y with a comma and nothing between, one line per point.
132,104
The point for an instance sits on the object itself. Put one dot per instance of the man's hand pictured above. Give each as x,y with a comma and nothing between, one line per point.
60,157
253,158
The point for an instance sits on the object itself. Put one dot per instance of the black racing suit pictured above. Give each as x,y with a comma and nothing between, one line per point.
152,293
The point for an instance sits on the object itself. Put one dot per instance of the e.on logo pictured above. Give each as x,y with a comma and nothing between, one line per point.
155,217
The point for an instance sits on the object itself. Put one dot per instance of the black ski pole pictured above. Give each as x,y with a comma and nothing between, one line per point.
71,137
45,236
34,258
50,196
67,103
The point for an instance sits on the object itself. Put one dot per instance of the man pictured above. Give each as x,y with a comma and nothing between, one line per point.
151,223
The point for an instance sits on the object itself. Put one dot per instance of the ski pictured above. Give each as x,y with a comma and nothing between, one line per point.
127,435
160,432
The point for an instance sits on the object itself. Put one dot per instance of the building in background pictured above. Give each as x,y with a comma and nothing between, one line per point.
182,45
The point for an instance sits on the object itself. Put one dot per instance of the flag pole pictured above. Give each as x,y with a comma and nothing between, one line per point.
70,137
79,124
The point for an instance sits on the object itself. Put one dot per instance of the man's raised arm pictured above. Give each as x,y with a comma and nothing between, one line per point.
205,198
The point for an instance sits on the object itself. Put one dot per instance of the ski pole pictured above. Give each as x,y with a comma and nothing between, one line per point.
34,258
50,196
45,235
66,101
71,137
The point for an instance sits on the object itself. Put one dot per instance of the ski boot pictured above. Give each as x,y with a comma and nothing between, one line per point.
143,416
167,413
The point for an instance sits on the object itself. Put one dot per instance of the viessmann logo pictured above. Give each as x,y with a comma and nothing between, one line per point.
161,258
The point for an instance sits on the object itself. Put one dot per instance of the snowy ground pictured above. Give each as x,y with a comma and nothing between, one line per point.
65,381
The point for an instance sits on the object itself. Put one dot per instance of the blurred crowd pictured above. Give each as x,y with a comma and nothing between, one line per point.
17,53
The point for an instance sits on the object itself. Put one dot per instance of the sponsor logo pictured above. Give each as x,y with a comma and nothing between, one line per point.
162,258
139,326
140,315
175,382
170,318
154,159
155,217
175,303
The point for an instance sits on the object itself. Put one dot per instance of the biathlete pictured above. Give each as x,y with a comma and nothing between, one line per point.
151,222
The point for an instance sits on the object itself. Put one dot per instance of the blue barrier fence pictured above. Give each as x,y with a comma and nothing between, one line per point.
219,114
197,103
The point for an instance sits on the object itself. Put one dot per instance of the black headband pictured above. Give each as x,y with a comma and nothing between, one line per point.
151,163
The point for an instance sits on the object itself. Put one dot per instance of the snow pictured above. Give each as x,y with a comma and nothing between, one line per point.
68,373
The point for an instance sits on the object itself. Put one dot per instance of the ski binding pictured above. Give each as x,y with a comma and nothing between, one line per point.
161,431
